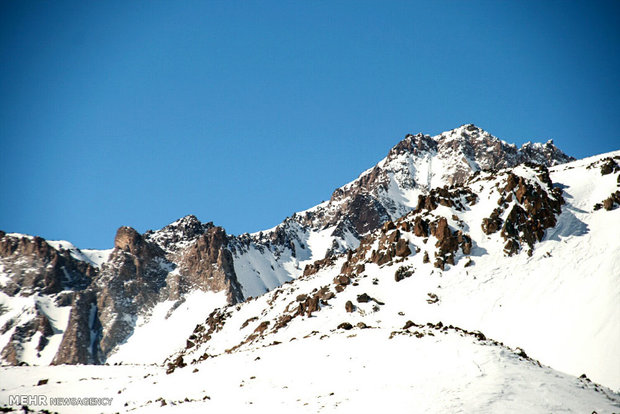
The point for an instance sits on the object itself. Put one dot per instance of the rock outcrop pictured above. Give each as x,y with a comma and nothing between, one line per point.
81,341
33,266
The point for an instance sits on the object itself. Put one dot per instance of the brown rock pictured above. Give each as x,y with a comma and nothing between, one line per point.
363,298
387,226
394,236
425,259
420,227
342,280
261,328
312,305
402,248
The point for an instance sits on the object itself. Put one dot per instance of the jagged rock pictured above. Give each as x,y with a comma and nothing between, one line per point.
479,335
609,166
389,225
493,223
348,268
402,273
318,265
425,258
243,325
612,201
534,211
325,294
12,351
394,236
33,266
80,342
349,307
345,325
342,280
410,324
197,266
282,322
511,247
363,298
402,248
382,257
312,305
261,327
177,363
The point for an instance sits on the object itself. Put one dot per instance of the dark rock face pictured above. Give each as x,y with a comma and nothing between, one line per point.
172,237
208,265
346,326
403,272
611,202
137,270
534,209
106,301
364,205
80,343
24,333
360,212
609,166
402,248
492,223
33,266
316,266
363,298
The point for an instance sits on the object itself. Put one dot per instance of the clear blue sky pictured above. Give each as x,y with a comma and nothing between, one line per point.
140,112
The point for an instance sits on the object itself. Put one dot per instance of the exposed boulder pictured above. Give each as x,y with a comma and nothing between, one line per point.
346,326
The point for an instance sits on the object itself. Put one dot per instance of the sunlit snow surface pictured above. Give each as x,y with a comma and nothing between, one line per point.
165,328
361,371
93,257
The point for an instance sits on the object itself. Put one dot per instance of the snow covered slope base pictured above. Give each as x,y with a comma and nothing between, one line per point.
357,370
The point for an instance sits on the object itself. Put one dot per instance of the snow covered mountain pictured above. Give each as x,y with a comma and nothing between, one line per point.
461,228
523,254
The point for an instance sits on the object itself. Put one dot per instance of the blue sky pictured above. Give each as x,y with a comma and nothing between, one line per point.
138,113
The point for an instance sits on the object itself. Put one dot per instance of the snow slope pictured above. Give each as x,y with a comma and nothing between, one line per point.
165,327
347,371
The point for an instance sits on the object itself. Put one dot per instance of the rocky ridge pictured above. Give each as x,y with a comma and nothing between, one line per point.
100,301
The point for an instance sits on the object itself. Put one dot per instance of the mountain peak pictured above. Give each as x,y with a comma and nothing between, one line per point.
178,233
